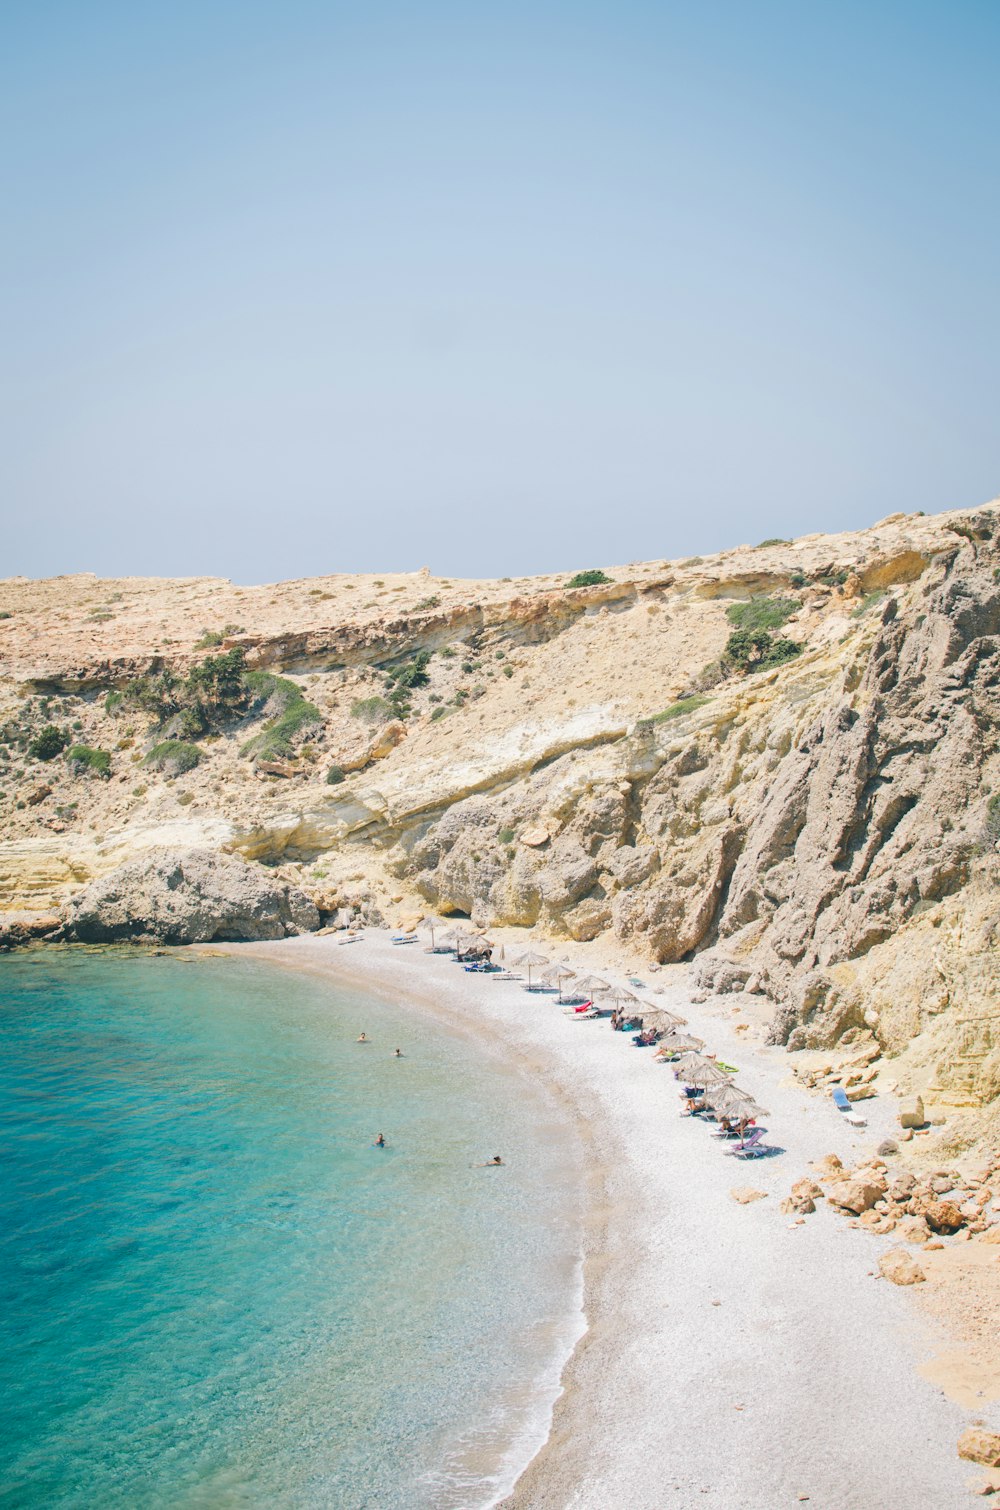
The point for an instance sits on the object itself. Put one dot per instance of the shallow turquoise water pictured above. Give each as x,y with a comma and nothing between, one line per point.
214,1291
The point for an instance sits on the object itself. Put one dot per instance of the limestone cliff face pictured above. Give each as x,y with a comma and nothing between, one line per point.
576,760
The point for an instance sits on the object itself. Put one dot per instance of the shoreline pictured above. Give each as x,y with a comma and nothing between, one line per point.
729,1357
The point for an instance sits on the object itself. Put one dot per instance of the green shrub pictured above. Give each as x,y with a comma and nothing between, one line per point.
797,579
772,540
277,737
750,650
868,601
588,579
508,671
371,710
49,743
680,707
113,701
833,578
173,755
411,673
209,638
762,613
6,615
335,775
425,603
439,713
448,651
506,835
86,758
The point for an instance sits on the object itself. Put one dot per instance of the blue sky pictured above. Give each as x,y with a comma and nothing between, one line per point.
313,287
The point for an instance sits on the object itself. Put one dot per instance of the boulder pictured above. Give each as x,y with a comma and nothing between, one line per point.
980,1446
745,1194
188,897
853,1195
941,1216
913,1229
900,1268
803,1197
991,1235
534,838
911,1111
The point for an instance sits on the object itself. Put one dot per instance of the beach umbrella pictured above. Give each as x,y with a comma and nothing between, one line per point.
432,923
659,1017
559,974
617,994
679,1042
591,985
695,1069
732,1101
531,961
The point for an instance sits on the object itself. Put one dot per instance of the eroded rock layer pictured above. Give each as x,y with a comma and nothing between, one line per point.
806,810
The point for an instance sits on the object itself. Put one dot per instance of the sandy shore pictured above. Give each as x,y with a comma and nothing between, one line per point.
732,1360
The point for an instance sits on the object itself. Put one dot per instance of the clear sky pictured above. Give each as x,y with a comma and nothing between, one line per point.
306,287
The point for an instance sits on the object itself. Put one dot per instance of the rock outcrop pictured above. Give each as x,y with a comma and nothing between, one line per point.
820,834
189,898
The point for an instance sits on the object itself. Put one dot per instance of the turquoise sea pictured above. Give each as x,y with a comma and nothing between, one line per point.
214,1291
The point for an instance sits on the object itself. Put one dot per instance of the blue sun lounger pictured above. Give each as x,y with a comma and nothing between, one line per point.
846,1107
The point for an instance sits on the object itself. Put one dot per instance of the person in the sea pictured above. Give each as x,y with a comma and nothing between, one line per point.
362,1038
398,1054
492,1163
380,1141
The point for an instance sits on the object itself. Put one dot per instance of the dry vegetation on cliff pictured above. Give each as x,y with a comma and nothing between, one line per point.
778,761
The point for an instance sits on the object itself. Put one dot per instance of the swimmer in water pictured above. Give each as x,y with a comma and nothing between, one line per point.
362,1038
379,1141
491,1163
398,1054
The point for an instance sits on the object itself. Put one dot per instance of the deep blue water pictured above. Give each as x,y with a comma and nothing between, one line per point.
214,1291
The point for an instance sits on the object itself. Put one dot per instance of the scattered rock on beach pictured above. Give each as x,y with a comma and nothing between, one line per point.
898,1266
980,1446
911,1111
745,1194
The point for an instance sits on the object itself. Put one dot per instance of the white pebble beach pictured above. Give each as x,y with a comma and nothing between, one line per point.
732,1359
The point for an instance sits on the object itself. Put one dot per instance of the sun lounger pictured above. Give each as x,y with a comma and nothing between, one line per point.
405,938
846,1108
750,1142
751,1151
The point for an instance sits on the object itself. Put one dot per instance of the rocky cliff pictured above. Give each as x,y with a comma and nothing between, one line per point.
779,762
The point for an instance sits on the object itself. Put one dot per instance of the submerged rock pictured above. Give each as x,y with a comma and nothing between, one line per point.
188,898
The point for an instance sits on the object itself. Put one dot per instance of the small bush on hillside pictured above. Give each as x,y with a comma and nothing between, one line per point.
209,638
425,603
588,579
49,743
868,601
772,540
680,707
86,758
833,578
371,710
335,775
506,835
762,613
173,756
750,650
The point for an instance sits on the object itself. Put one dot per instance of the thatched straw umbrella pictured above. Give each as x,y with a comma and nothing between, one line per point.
591,985
659,1017
530,962
732,1101
559,974
695,1069
678,1043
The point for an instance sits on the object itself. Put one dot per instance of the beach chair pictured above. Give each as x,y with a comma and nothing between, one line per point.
750,1142
846,1108
752,1151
